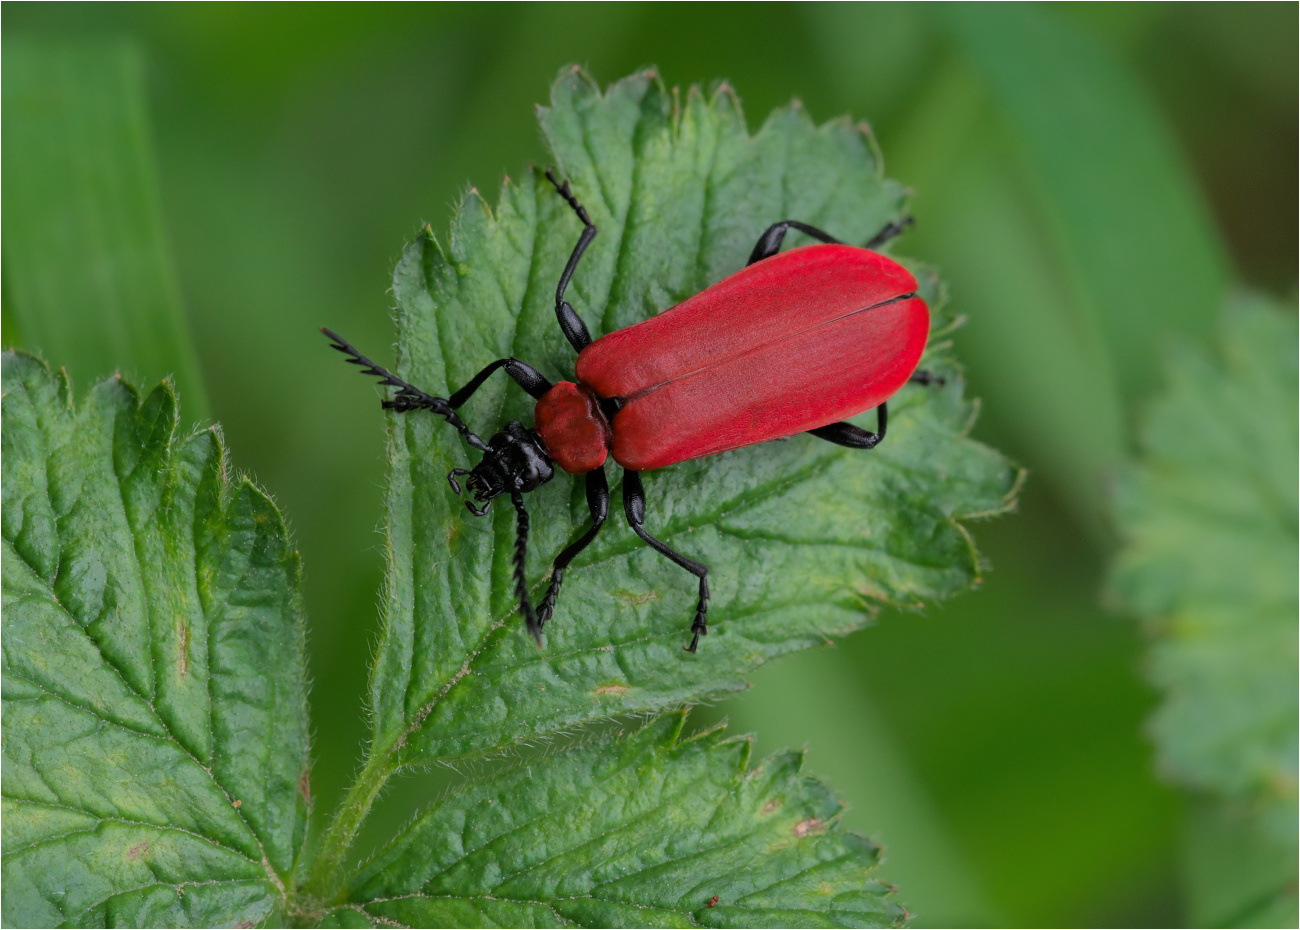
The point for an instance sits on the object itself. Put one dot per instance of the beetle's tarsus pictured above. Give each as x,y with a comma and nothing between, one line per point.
451,478
698,629
564,190
889,232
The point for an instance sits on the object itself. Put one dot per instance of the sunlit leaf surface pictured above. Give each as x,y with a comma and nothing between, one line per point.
155,717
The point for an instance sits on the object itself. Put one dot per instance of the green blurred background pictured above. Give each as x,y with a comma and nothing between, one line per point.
1091,179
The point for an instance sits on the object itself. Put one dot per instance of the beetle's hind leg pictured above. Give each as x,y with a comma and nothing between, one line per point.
598,504
845,433
634,508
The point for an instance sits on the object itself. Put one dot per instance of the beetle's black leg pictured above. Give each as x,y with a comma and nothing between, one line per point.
574,329
889,232
844,433
408,397
521,553
525,375
927,378
634,508
598,504
770,242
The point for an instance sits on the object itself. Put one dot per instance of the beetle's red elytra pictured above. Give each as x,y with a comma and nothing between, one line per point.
794,342
789,344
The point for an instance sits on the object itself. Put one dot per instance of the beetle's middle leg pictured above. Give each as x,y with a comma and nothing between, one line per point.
634,508
845,433
598,504
769,243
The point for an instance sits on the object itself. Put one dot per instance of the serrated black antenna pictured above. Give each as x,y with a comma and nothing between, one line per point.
408,397
521,555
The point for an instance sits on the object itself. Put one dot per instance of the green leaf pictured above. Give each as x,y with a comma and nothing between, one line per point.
643,830
155,719
1212,553
1137,238
803,538
88,278
1210,515
1235,874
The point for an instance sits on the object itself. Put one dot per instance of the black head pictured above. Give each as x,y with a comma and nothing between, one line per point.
515,462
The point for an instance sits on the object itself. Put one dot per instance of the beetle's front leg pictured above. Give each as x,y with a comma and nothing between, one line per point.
598,504
570,323
634,508
523,374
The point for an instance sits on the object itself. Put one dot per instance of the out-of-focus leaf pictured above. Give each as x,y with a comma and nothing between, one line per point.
1062,211
1210,516
87,274
155,716
802,537
1047,375
1235,874
645,830
1211,519
1137,241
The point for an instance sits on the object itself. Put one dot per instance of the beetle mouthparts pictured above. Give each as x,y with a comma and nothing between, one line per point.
480,484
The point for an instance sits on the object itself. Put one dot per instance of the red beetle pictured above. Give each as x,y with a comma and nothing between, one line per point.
794,342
